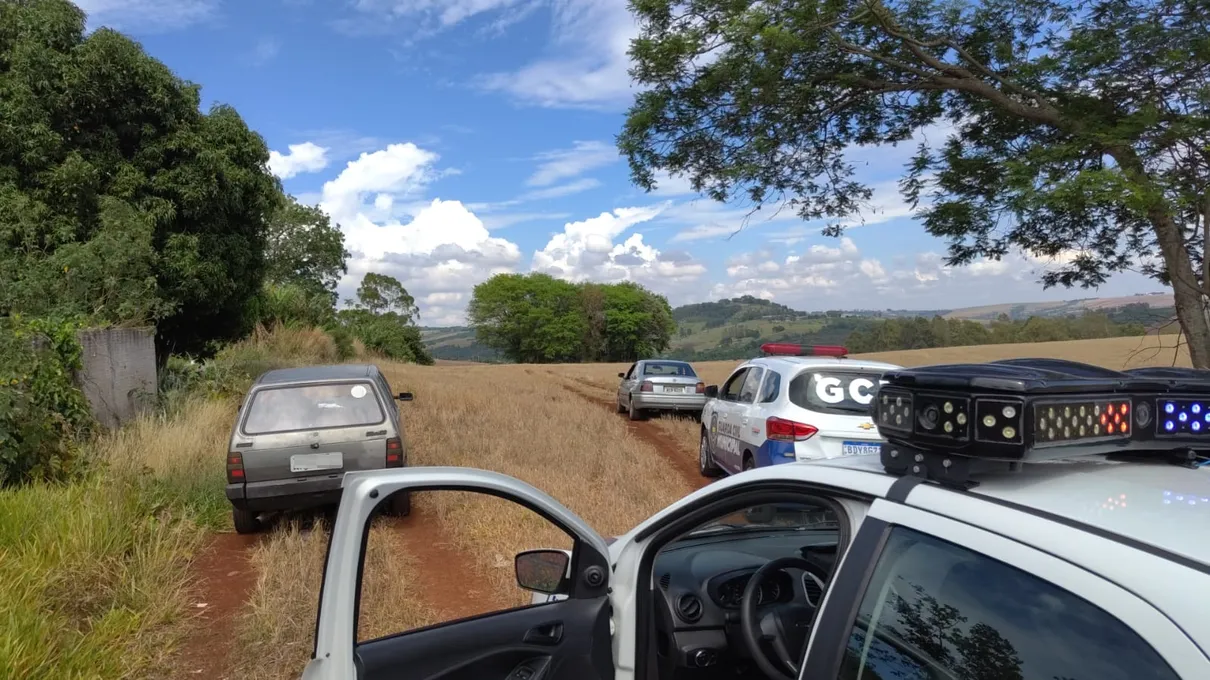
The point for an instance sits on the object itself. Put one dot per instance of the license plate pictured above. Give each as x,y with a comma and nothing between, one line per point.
310,462
674,389
860,448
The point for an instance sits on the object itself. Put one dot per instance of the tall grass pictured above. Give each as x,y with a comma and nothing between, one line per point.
93,574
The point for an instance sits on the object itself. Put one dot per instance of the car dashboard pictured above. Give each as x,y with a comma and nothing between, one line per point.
701,581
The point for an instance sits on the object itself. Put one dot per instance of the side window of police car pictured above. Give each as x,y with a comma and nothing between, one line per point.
747,393
771,388
936,610
731,388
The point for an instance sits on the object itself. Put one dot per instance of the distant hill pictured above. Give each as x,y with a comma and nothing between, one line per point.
734,328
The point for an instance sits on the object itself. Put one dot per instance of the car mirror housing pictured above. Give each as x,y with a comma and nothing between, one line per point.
404,396
621,375
541,571
712,391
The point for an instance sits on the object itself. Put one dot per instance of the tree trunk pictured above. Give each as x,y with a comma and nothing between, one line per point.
1190,305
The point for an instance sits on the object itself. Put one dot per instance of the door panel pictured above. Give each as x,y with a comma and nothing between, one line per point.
556,641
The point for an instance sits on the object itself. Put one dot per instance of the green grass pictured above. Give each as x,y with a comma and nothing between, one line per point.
93,574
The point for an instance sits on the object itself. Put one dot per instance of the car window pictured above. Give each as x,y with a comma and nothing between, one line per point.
747,393
730,391
847,392
630,371
771,388
937,611
668,368
313,407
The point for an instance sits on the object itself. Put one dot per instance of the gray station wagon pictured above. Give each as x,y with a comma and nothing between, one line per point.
300,429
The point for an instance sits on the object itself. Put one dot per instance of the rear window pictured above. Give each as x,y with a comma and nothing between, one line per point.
312,407
668,368
841,392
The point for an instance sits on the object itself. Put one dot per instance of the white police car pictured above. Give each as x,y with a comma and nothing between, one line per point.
800,402
1030,542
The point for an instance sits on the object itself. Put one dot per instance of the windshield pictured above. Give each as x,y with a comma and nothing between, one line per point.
312,407
674,368
773,517
846,392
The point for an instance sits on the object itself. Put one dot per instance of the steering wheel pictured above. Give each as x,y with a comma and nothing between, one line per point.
784,625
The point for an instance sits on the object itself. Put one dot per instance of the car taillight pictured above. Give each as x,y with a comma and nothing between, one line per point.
701,388
394,452
783,430
235,468
646,386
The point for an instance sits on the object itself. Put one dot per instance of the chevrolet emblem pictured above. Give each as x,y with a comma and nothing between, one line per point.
866,426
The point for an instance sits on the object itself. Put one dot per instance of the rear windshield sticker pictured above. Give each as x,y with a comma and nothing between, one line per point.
358,391
829,391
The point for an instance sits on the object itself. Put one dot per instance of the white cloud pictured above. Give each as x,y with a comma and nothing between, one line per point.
564,163
587,250
439,254
147,15
302,158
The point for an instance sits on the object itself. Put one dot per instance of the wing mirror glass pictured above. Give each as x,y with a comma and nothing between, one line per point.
541,571
404,396
712,391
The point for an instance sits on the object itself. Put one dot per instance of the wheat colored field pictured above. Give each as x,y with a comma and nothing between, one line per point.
552,426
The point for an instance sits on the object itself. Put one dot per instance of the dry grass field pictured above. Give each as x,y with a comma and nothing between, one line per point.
552,426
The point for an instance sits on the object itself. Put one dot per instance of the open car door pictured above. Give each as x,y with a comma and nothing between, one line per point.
567,639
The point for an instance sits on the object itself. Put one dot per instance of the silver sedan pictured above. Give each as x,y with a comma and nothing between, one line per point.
660,385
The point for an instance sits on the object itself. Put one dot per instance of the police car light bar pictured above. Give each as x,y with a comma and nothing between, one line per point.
789,349
947,421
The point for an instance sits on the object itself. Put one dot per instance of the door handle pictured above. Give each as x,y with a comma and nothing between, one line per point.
545,634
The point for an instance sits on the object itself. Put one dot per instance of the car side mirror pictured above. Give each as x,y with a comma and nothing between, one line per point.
712,391
404,396
541,571
621,375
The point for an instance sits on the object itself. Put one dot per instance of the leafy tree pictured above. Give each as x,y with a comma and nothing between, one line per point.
303,248
1075,126
119,198
382,294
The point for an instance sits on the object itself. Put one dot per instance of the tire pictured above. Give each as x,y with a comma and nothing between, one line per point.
621,409
401,504
705,460
635,413
749,463
245,521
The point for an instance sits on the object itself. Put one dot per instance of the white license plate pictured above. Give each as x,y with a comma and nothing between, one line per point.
310,462
860,448
674,389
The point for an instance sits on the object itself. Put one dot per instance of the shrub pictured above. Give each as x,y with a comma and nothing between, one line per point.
43,415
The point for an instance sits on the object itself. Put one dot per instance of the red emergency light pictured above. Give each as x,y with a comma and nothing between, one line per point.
793,350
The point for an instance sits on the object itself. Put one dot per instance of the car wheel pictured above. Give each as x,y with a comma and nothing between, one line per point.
705,460
635,413
621,408
748,464
401,504
245,521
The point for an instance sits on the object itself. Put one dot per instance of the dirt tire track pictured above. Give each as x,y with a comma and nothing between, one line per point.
223,579
443,572
649,433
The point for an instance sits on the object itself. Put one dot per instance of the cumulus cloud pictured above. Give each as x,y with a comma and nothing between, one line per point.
439,249
588,250
301,158
148,16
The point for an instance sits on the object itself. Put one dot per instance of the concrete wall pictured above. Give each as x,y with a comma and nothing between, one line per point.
119,372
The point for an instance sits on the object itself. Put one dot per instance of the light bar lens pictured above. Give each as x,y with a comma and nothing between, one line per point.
1182,417
942,415
998,421
1072,421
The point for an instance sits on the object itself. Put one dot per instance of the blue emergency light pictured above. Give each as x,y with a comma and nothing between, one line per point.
949,421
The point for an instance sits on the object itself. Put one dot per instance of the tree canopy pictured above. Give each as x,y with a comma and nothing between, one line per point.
119,199
305,249
537,318
1074,129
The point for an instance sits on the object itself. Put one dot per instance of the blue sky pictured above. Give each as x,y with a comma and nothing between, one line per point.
453,139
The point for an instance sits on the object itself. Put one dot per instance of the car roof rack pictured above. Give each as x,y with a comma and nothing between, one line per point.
953,423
